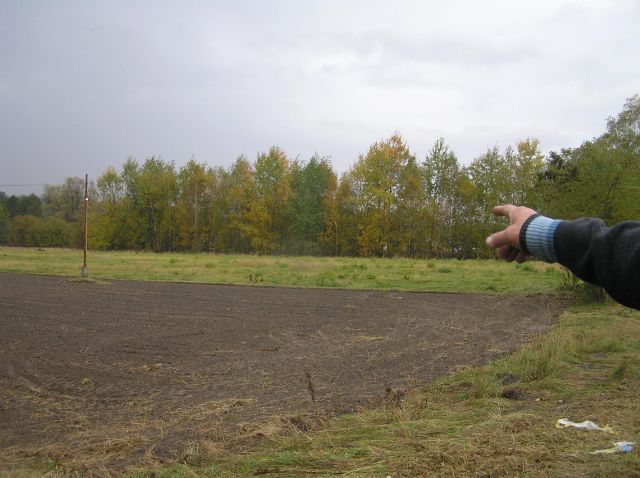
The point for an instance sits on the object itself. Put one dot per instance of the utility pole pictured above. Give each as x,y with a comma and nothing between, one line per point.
84,272
195,219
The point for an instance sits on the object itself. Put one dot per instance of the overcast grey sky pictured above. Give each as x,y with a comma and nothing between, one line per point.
86,84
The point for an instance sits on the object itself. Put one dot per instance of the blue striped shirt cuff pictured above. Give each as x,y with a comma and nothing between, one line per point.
539,238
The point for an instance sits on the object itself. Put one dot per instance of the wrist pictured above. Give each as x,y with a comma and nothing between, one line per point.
537,237
523,232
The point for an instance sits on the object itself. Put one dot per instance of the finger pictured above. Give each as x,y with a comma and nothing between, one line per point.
504,252
513,253
498,239
503,210
507,253
522,257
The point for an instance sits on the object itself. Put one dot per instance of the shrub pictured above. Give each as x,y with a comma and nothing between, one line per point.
23,231
584,291
4,224
54,232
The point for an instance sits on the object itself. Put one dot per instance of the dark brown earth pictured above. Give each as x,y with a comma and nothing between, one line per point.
110,375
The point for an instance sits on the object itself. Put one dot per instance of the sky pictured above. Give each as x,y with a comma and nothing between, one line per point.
86,84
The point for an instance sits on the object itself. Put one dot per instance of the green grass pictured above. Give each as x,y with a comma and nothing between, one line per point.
489,276
588,367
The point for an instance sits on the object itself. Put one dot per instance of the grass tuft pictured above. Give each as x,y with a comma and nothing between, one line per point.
622,371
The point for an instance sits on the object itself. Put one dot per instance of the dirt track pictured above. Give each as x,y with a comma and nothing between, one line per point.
129,373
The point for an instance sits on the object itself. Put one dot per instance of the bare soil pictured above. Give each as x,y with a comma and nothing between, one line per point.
105,376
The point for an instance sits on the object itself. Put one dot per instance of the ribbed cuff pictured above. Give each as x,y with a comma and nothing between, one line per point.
523,230
538,238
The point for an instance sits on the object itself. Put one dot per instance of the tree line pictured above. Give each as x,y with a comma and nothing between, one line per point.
389,203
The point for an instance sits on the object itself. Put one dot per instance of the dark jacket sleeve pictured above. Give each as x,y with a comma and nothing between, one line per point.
601,255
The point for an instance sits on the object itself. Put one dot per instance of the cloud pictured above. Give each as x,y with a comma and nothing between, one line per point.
5,88
84,85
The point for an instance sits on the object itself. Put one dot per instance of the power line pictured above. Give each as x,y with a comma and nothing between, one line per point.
20,185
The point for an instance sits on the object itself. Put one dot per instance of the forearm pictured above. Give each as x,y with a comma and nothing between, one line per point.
608,257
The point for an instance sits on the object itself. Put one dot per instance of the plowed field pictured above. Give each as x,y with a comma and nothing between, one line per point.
112,375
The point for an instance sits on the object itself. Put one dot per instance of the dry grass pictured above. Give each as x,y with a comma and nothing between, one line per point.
369,338
586,368
207,410
493,421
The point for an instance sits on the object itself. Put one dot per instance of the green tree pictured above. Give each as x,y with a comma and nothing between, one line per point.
4,223
65,201
311,184
491,176
23,231
267,224
107,220
239,190
111,188
55,232
376,179
442,187
623,131
30,205
340,235
602,182
463,242
218,211
622,138
527,164
412,217
195,182
599,178
151,191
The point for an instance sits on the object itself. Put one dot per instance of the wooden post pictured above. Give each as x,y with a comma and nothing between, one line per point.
84,272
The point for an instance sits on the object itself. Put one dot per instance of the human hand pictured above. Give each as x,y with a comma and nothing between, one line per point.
507,241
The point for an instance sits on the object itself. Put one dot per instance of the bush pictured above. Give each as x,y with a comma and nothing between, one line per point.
30,231
54,232
23,231
4,224
585,292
